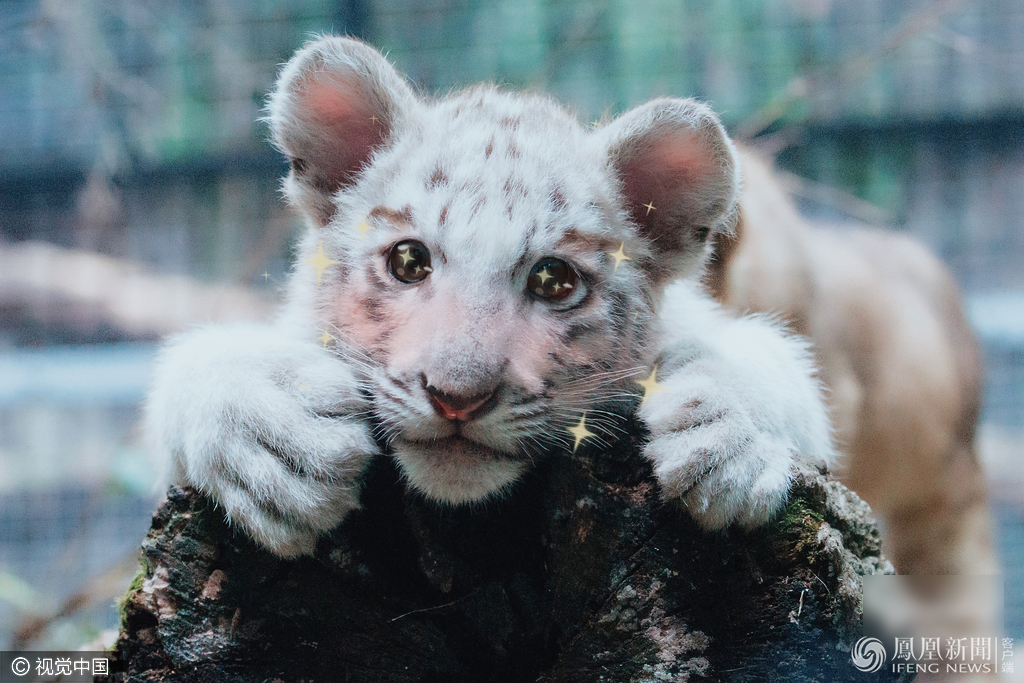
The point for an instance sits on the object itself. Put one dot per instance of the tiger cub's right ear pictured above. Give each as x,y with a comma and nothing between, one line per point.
679,177
335,102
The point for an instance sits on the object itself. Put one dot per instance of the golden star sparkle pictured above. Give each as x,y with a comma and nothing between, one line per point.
650,207
650,385
403,253
544,275
363,228
619,256
320,262
325,338
581,432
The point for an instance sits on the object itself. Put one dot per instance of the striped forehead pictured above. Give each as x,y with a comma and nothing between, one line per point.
468,226
490,191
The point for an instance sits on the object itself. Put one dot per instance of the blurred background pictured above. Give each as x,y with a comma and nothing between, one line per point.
138,195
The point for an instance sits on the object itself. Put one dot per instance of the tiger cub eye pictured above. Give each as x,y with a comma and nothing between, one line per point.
552,279
409,261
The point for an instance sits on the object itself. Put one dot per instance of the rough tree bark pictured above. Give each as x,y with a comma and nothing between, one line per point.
581,574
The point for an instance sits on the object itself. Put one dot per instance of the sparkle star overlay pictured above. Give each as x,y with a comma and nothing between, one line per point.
320,262
650,385
325,338
650,207
363,228
403,253
619,256
581,432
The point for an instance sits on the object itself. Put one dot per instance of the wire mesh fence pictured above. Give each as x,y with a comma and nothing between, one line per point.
67,552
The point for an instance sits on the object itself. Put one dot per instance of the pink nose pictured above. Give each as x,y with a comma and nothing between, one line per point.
455,407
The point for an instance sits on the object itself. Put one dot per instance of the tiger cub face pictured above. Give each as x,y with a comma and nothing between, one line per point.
489,265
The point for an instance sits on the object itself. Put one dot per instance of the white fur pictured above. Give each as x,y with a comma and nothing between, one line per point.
277,429
740,409
218,392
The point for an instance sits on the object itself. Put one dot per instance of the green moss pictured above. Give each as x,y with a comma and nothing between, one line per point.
134,587
796,533
799,514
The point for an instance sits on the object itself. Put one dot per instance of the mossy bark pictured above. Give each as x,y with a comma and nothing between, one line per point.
580,574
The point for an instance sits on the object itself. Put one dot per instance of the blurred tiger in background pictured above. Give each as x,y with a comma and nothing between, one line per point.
898,357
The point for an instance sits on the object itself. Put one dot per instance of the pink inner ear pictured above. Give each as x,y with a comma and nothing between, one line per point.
343,127
335,99
669,172
680,156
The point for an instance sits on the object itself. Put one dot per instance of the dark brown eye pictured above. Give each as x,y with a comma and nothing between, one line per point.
409,261
552,279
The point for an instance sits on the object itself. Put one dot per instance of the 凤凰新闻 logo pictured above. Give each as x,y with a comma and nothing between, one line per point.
868,655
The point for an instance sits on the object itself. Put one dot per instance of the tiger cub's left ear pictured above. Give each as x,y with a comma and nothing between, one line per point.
679,178
336,102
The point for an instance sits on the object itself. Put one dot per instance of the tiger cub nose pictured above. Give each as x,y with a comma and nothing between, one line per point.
459,406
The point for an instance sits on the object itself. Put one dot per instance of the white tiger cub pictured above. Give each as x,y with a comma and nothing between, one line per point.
481,275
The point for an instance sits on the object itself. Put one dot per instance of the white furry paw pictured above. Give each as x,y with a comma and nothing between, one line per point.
270,428
710,451
740,410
